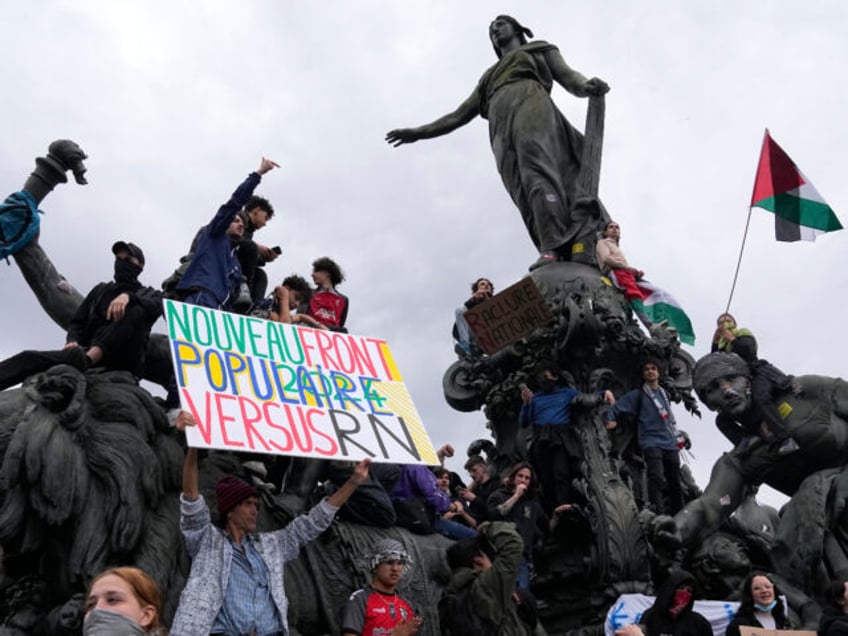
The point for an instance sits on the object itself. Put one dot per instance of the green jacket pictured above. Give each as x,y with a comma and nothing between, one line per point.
491,589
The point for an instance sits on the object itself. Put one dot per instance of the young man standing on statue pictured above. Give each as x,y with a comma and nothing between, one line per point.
554,447
657,435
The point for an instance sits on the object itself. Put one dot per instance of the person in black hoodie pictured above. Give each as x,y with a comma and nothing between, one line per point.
110,328
761,605
834,620
672,611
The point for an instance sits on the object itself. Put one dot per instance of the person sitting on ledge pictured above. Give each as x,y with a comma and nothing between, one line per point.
214,278
466,345
767,381
327,305
612,263
110,328
292,293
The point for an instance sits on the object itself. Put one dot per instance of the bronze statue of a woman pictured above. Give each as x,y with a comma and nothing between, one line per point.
537,151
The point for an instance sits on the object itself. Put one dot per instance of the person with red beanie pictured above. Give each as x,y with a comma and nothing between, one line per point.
236,581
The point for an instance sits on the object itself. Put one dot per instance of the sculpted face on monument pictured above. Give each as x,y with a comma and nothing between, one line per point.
728,394
723,383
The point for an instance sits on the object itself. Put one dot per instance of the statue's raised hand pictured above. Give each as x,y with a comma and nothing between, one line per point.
400,136
596,87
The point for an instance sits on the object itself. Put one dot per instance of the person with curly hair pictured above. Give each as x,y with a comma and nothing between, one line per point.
327,305
517,501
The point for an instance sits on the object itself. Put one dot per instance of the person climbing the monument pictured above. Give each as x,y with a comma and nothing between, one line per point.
459,513
481,597
236,582
767,381
214,278
538,153
517,501
377,609
253,257
554,446
657,437
466,345
612,263
420,504
109,329
327,305
481,487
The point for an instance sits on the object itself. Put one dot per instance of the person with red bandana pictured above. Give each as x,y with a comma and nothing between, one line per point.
672,613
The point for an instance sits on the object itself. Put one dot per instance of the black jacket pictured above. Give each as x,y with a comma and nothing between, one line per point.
833,623
657,620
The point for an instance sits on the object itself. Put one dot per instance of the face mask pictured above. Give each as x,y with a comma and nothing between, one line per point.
126,271
681,600
766,608
547,385
100,622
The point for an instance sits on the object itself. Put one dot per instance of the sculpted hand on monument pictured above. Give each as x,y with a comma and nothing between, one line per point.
400,136
596,87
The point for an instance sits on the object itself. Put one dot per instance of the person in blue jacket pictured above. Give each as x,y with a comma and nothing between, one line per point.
553,448
213,277
657,435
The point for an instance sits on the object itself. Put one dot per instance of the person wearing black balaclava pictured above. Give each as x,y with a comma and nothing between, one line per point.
672,613
109,329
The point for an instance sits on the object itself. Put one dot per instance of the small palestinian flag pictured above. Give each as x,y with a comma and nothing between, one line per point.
780,187
659,305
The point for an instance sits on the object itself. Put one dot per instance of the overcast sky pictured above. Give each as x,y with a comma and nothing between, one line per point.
175,102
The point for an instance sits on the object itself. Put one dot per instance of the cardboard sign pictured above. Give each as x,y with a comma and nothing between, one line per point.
267,387
509,316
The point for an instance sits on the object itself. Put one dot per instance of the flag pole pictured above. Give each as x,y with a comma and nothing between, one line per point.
739,262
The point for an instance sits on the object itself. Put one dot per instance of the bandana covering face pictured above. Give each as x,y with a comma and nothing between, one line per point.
766,608
126,271
100,622
681,600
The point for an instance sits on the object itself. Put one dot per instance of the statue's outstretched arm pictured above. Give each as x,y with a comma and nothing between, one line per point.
573,81
55,294
466,111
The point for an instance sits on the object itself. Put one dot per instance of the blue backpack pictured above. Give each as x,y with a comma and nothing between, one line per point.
19,222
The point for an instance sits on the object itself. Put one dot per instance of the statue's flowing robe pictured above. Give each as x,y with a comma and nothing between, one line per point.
538,153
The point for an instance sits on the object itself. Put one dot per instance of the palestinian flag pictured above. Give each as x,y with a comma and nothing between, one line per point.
800,211
659,305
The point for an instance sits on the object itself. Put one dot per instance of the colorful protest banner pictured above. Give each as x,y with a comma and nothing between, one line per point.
508,316
267,387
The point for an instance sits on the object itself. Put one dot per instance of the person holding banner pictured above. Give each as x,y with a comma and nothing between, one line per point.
761,606
236,581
